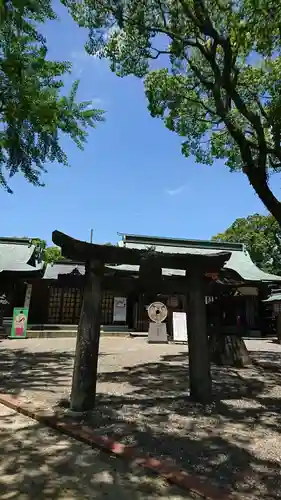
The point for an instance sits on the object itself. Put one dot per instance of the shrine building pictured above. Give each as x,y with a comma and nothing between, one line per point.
136,272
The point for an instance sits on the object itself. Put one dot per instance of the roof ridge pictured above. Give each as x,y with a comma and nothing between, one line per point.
166,241
15,240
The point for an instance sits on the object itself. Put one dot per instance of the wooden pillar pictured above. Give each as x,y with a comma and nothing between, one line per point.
198,347
87,346
278,327
28,292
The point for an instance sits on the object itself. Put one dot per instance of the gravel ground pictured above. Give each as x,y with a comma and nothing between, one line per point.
37,463
143,400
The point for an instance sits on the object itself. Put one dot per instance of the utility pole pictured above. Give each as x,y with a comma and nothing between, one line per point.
91,236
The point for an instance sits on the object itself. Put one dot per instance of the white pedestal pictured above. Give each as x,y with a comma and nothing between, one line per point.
157,333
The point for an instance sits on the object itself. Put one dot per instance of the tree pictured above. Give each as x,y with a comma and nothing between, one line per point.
48,254
52,254
33,112
218,85
261,235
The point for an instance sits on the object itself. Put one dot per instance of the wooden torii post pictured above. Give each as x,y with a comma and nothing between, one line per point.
198,345
87,346
84,379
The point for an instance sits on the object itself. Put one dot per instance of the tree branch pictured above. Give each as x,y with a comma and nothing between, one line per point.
212,112
261,108
158,53
209,85
188,12
162,13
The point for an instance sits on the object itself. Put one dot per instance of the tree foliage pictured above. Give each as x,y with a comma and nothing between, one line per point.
33,112
48,254
261,235
52,254
218,84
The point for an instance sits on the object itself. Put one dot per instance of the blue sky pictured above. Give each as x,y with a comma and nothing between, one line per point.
131,176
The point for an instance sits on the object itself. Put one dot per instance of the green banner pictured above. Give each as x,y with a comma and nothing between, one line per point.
19,324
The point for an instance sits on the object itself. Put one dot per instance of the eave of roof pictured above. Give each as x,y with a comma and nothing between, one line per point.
273,298
16,255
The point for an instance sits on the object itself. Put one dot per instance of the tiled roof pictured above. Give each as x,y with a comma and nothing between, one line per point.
240,260
53,271
16,255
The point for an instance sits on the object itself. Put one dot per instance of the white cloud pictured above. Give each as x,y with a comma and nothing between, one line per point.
97,102
80,61
176,191
81,55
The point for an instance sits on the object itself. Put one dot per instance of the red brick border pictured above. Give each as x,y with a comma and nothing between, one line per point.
85,434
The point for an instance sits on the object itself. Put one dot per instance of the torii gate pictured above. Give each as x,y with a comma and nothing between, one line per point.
88,335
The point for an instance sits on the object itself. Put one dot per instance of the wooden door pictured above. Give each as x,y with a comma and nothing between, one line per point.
64,305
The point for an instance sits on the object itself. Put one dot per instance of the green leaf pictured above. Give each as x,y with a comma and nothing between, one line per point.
261,236
211,70
33,112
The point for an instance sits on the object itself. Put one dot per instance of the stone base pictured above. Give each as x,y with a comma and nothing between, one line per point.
229,350
157,333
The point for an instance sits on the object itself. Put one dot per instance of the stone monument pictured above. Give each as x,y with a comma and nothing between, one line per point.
157,332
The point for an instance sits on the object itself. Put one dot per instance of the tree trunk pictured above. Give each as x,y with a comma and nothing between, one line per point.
87,346
260,185
198,347
229,350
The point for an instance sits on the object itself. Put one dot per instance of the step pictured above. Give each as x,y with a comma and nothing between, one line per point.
138,334
57,327
51,328
45,334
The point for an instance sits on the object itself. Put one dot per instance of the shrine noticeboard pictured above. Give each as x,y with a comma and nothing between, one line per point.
120,309
179,327
19,323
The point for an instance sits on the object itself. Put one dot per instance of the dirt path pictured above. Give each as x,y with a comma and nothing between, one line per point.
37,463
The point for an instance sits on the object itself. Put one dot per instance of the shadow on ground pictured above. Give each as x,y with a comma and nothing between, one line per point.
230,442
41,371
235,442
38,464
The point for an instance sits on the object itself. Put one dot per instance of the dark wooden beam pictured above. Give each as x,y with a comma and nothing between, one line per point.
83,251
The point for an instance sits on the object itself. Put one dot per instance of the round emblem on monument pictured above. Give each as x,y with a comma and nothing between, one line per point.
157,312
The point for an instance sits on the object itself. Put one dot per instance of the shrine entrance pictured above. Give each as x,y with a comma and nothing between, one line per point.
101,264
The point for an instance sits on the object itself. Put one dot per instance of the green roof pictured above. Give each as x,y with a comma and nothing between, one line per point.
240,260
17,254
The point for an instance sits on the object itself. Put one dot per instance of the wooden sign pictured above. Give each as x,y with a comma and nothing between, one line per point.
19,324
